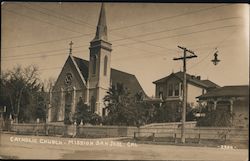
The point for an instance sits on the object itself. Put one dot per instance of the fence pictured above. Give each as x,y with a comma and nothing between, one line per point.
153,133
106,131
194,135
73,130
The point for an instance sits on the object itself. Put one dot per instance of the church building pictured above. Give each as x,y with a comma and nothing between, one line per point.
88,80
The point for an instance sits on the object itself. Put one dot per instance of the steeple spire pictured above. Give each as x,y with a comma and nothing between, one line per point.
101,30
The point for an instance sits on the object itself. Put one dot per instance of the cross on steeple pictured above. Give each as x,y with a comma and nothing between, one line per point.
70,47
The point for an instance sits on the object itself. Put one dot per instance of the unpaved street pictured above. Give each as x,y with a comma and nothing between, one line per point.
43,147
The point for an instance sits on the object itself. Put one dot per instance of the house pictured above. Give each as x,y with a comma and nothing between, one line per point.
170,89
232,98
88,80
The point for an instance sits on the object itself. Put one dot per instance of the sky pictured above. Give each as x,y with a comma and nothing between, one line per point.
144,36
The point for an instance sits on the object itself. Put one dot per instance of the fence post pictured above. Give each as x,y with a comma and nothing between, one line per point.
175,138
199,138
153,137
134,135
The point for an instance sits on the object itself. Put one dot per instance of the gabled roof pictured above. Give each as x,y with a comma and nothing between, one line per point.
190,78
76,67
129,80
83,65
227,91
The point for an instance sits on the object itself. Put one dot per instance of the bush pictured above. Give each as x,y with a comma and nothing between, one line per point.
218,117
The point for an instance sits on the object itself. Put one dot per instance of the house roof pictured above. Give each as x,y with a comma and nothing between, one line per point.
190,78
210,84
129,80
227,91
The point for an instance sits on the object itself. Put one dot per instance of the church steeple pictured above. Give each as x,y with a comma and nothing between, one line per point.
99,65
101,30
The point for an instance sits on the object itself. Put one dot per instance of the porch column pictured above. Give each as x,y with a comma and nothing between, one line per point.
231,106
215,104
231,110
180,92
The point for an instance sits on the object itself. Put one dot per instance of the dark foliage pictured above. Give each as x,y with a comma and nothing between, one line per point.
218,117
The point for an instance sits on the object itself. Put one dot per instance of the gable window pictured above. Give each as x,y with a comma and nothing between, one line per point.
105,65
176,89
170,89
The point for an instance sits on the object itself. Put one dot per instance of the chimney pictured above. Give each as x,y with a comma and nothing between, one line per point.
198,77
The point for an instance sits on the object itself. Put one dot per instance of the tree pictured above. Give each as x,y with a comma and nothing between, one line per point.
168,112
118,101
19,86
82,112
48,83
124,108
40,109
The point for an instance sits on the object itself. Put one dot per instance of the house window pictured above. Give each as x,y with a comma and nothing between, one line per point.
105,65
176,89
160,95
170,90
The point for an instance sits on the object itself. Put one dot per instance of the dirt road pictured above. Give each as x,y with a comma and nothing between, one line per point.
43,147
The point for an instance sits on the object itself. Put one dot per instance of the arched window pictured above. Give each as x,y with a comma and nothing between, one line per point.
94,65
105,65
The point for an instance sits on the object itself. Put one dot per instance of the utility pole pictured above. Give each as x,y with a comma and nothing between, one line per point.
184,58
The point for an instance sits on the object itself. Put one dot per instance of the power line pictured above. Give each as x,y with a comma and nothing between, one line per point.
169,17
146,22
112,29
221,27
60,18
178,35
42,52
226,38
50,68
167,30
92,27
42,56
20,14
63,15
142,35
45,42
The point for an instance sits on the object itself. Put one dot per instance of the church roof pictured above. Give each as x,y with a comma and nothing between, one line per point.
128,80
190,78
